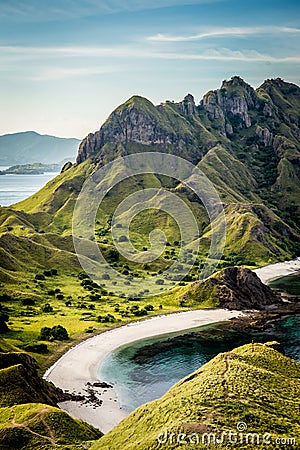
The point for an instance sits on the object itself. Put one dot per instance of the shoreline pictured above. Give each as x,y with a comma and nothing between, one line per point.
76,371
278,270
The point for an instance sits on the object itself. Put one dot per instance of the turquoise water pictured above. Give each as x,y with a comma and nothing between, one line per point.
14,188
141,375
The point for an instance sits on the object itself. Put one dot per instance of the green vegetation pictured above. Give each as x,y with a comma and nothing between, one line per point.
40,426
47,304
253,384
31,169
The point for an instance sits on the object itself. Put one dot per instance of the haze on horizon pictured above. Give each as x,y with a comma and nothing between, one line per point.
65,67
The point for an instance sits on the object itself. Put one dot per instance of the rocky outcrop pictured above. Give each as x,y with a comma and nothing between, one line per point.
231,104
66,167
234,288
264,135
139,121
240,288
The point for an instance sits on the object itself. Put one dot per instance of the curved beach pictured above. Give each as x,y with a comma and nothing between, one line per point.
76,370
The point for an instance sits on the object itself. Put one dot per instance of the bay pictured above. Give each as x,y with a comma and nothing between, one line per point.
145,370
15,188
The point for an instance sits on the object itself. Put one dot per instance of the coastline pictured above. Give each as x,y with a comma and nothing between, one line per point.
76,371
278,270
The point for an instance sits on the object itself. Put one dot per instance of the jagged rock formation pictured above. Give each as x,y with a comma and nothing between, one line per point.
245,140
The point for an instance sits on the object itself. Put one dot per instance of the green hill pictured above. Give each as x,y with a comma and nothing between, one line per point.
253,389
43,427
245,140
247,143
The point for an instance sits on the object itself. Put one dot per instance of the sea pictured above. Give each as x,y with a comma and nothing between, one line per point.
138,379
143,371
14,188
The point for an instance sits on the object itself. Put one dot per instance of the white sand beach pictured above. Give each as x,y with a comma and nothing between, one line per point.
278,270
79,365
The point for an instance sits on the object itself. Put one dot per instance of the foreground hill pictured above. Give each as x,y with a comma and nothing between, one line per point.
30,147
253,389
29,417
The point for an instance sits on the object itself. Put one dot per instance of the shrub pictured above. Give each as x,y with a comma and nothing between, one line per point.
4,317
149,308
28,302
60,296
5,297
47,308
36,348
57,332
113,255
105,319
39,276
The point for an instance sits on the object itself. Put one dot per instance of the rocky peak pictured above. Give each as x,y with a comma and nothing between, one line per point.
188,106
139,121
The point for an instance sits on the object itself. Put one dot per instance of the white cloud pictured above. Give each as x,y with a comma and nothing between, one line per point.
116,54
59,73
223,32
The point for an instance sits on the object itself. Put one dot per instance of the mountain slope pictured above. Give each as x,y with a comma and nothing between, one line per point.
252,389
246,141
31,147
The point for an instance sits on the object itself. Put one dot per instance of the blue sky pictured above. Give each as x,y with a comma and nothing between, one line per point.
65,65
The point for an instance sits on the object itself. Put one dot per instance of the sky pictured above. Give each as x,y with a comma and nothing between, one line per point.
66,65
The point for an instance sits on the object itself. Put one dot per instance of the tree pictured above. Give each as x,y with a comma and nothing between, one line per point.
57,332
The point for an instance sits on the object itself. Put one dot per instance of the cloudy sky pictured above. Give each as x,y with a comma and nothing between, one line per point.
65,65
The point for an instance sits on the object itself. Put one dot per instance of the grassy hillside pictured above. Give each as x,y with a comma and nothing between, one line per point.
244,140
253,387
39,426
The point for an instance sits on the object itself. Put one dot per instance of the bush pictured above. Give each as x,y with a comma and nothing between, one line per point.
28,302
39,276
4,317
5,298
113,255
109,318
57,332
60,296
149,308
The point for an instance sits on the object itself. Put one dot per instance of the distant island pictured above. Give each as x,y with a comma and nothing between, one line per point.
31,169
28,147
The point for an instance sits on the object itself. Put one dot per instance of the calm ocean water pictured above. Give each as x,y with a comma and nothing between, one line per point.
14,188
